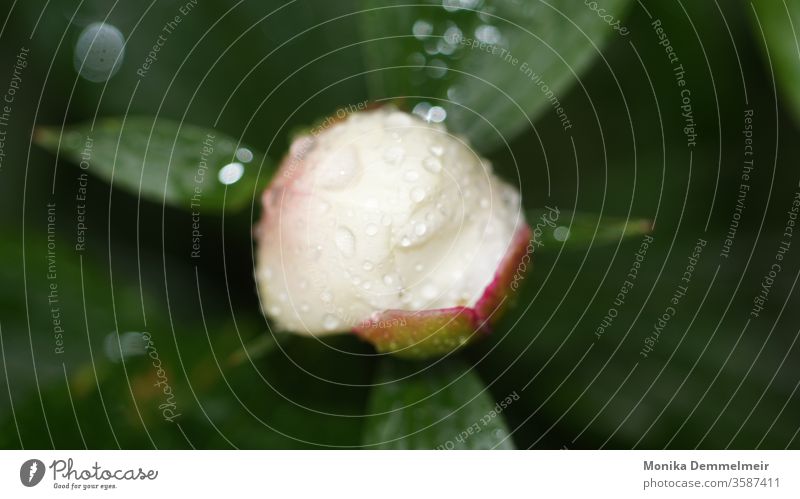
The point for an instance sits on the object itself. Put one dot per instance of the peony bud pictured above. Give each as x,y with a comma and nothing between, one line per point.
386,225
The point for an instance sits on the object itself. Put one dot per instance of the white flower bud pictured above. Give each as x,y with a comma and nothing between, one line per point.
381,211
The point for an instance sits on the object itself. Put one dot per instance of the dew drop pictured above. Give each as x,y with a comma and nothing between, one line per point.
429,292
422,29
488,34
561,233
394,154
326,296
420,229
411,175
417,194
304,307
230,173
371,229
437,150
244,155
432,164
345,241
330,322
368,265
340,170
484,203
418,267
99,52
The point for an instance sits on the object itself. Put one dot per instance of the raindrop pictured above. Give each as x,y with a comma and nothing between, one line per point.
421,109
99,52
330,322
340,170
405,242
422,29
436,114
429,292
394,154
420,229
417,194
411,175
371,229
244,155
453,35
416,59
433,165
561,233
488,34
437,68
345,241
437,150
230,173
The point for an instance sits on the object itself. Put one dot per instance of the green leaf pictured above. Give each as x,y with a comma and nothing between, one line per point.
553,228
425,53
776,24
444,405
163,161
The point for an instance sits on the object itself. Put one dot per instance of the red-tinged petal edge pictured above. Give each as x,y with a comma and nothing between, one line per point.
513,267
427,333
422,334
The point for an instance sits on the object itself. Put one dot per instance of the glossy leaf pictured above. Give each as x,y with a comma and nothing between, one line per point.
776,25
189,167
491,67
554,228
442,406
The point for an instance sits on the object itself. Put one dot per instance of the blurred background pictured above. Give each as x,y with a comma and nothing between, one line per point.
114,334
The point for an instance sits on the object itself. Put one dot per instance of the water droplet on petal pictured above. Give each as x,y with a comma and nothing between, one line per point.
417,194
394,154
340,169
371,229
326,296
330,322
420,229
432,164
368,265
345,241
405,242
411,175
429,292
